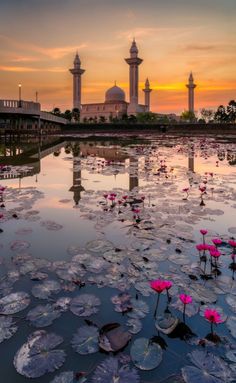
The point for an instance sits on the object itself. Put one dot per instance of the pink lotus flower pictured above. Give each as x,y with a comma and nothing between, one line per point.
158,285
203,231
212,316
185,190
136,211
111,198
125,197
216,241
105,196
215,253
232,243
199,247
168,284
186,299
210,248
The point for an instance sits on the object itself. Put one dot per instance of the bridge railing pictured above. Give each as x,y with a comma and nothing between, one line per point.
16,104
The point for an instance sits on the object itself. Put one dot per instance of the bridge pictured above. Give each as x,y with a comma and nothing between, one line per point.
26,117
22,108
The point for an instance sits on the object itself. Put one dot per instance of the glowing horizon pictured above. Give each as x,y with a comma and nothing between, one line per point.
173,40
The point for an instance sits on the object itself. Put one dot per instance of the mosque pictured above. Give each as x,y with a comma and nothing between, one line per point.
115,104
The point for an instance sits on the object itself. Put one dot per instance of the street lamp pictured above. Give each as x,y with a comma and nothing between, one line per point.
19,88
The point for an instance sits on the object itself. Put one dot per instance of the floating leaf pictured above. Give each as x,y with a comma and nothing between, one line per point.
231,355
231,300
7,328
51,225
13,303
85,305
19,246
166,323
209,369
99,245
64,377
110,371
46,289
139,309
43,315
85,341
145,354
113,337
231,324
37,356
135,324
62,304
122,302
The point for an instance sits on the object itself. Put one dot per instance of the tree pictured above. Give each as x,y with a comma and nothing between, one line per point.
147,117
56,111
188,116
76,114
68,115
102,119
220,114
207,114
231,111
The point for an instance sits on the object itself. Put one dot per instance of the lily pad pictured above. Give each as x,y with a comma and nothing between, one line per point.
37,356
122,302
46,289
209,369
85,305
110,371
43,315
166,323
135,324
19,246
231,324
7,328
99,245
113,337
14,303
139,309
64,377
51,225
85,341
145,354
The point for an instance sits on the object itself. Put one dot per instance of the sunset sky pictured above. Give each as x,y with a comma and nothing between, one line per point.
39,38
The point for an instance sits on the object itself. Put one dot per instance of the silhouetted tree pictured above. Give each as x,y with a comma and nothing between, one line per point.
207,114
188,116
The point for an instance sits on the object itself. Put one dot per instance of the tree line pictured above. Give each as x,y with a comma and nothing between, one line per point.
223,114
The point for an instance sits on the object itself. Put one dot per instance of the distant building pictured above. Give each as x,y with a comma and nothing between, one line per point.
191,86
115,104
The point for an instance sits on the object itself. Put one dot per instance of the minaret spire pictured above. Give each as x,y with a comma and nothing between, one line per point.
147,90
191,86
133,61
77,72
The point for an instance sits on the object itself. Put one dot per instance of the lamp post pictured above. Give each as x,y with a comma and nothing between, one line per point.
19,88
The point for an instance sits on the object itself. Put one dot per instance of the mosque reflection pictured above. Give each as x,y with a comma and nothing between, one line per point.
27,156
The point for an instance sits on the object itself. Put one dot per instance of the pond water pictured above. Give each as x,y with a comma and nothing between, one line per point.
86,226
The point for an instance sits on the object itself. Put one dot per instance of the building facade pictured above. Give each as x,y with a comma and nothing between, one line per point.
115,104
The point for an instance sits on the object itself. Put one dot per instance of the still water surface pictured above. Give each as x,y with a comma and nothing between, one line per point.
108,216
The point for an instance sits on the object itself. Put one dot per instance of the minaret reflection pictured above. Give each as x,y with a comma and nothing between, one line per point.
191,158
191,154
76,188
133,173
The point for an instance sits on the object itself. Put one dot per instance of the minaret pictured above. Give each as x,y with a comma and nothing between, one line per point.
191,87
133,61
77,72
147,90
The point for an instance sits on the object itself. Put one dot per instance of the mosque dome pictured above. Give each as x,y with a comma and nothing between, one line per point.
115,94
